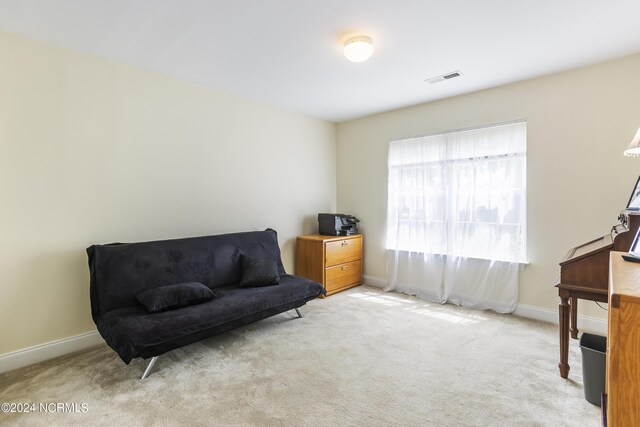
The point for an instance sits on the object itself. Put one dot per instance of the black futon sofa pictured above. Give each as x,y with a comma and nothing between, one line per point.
122,271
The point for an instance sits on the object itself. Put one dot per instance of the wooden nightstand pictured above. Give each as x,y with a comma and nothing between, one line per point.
334,261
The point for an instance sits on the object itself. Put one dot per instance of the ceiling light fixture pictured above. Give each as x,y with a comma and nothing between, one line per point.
633,149
358,49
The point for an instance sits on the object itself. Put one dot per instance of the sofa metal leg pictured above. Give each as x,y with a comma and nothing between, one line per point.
299,314
149,367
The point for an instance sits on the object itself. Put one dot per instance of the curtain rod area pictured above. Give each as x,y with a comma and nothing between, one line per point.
466,129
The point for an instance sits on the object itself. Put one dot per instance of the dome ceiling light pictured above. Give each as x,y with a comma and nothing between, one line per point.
358,49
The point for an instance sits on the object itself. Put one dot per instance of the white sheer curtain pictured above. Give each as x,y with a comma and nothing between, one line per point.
456,218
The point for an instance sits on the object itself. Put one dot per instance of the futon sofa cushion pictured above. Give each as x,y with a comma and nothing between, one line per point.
120,271
174,296
133,332
258,272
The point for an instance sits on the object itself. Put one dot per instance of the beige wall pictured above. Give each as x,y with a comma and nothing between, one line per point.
93,152
579,122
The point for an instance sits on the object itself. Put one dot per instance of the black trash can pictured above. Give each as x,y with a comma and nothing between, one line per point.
594,366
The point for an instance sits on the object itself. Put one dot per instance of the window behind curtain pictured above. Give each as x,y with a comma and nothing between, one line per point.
460,193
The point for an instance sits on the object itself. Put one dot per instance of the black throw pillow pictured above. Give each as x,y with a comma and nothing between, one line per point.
258,272
174,296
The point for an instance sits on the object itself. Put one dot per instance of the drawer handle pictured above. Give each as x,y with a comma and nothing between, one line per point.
344,267
345,243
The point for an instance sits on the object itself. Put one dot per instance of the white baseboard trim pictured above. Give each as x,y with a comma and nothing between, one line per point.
585,323
41,352
537,313
374,281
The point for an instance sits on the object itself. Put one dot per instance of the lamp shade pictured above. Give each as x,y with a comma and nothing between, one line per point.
358,49
633,149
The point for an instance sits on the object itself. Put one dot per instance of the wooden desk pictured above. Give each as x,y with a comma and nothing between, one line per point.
623,343
584,274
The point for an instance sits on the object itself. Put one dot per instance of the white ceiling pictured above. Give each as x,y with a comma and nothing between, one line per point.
288,52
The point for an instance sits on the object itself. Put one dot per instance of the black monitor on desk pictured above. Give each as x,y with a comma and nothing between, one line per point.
634,199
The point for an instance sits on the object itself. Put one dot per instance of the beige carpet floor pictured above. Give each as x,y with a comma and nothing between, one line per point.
361,357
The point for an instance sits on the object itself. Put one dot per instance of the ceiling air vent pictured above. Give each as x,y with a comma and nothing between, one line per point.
443,77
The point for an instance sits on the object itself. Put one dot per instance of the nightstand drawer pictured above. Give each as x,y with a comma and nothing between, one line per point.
342,251
342,275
